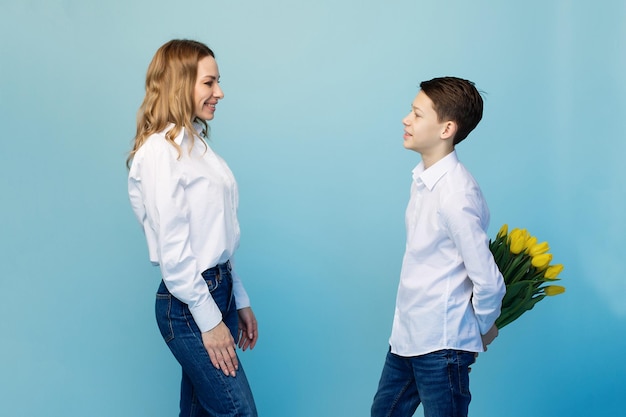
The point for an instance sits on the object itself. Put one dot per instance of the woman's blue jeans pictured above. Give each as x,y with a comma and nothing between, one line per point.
205,391
438,380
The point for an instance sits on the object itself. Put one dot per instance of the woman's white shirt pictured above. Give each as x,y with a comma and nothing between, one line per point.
187,205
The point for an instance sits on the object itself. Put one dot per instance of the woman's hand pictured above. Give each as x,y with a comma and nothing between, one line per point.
248,329
220,346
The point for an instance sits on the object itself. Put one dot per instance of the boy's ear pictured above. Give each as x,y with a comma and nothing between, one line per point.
449,130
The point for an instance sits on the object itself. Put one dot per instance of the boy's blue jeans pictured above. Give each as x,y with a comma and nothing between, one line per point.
438,380
205,391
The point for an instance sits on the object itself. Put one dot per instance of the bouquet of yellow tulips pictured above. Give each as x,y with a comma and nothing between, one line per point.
528,274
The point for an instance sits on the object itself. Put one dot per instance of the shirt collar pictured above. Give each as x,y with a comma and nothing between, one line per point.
179,139
430,176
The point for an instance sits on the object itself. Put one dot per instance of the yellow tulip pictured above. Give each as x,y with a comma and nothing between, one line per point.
517,240
514,232
551,290
526,236
503,230
553,271
532,241
541,261
538,249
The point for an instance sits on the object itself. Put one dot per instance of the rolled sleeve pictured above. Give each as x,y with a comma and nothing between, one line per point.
241,296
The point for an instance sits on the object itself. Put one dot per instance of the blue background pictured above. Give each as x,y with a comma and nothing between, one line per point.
311,126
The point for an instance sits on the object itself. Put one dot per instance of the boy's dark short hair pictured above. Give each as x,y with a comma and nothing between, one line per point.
455,99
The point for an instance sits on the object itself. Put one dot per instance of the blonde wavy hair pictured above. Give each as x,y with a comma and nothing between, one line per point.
170,82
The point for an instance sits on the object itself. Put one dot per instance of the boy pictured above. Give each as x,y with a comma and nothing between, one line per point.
450,289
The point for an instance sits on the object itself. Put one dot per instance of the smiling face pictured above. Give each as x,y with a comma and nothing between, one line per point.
207,91
424,133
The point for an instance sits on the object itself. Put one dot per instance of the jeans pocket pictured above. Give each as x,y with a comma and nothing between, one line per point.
464,360
213,283
163,310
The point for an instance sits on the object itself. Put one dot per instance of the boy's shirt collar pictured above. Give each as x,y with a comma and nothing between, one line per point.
429,177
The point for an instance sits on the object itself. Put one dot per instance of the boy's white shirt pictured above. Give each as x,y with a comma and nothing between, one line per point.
450,289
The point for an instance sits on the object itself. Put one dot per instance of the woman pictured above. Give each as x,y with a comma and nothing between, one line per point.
185,197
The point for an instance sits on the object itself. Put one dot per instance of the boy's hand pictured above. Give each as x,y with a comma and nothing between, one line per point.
487,339
489,336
